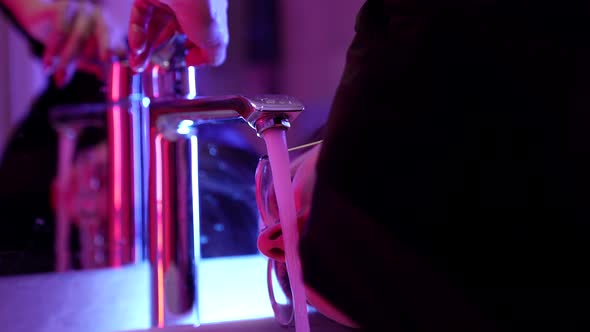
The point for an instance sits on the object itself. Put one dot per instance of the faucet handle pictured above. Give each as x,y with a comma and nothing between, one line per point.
272,110
171,54
170,77
272,102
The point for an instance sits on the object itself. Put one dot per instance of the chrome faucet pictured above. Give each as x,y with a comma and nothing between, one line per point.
171,114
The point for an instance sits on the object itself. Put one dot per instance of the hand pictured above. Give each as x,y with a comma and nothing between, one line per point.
304,177
73,32
303,173
270,240
204,22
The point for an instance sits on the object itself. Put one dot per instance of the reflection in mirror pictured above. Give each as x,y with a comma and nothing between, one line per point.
28,169
80,188
80,198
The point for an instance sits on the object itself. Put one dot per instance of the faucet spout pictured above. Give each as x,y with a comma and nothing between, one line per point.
260,112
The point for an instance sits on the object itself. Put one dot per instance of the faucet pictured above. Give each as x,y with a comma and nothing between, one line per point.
171,114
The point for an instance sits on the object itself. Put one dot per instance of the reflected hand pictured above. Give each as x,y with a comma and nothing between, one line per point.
154,22
87,192
73,32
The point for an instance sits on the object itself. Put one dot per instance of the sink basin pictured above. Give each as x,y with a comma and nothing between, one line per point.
109,300
317,323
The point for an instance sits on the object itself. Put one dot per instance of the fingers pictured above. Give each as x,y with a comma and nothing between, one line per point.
101,32
161,30
139,43
141,13
60,21
217,42
164,27
204,23
195,57
304,178
138,62
198,56
210,37
79,31
74,41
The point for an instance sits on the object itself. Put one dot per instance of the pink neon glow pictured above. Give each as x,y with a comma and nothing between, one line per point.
117,167
116,84
159,229
278,156
117,184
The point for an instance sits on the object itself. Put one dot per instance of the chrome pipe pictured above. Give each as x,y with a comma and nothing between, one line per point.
127,204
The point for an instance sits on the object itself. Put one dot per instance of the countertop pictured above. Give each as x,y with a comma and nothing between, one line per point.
232,297
316,322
